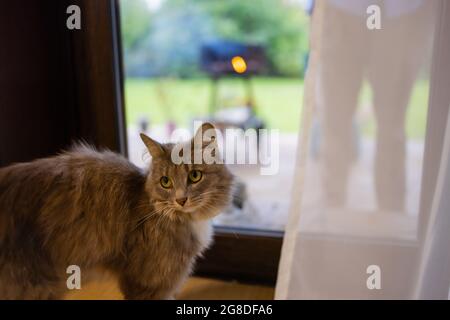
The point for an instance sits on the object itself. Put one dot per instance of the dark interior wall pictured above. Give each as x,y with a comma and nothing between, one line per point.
30,86
57,85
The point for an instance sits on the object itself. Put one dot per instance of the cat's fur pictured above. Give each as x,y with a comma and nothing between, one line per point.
91,209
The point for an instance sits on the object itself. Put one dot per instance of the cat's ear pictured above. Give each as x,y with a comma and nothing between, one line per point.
205,135
156,150
205,144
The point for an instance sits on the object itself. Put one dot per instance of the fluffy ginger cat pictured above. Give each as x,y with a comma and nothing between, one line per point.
95,209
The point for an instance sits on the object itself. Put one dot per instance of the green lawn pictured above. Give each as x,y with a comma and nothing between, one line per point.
278,101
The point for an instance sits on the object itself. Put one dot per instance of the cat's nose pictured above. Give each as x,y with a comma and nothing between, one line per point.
181,201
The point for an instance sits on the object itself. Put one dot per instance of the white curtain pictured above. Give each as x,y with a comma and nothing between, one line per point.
360,226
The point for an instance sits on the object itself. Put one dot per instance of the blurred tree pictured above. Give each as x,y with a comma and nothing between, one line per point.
135,20
170,45
282,28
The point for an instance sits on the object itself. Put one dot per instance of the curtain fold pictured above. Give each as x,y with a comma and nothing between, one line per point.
434,275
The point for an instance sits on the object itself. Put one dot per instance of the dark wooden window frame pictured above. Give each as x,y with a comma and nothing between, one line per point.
246,255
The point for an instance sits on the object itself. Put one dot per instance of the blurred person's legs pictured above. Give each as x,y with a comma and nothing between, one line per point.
397,54
340,78
390,101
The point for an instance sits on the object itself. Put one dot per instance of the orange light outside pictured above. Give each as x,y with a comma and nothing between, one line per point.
239,64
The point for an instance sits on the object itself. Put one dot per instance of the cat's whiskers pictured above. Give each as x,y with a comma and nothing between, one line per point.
145,218
163,219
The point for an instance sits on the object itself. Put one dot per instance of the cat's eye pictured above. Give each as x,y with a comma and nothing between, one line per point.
165,182
195,176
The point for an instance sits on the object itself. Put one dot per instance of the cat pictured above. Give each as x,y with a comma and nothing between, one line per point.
96,209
